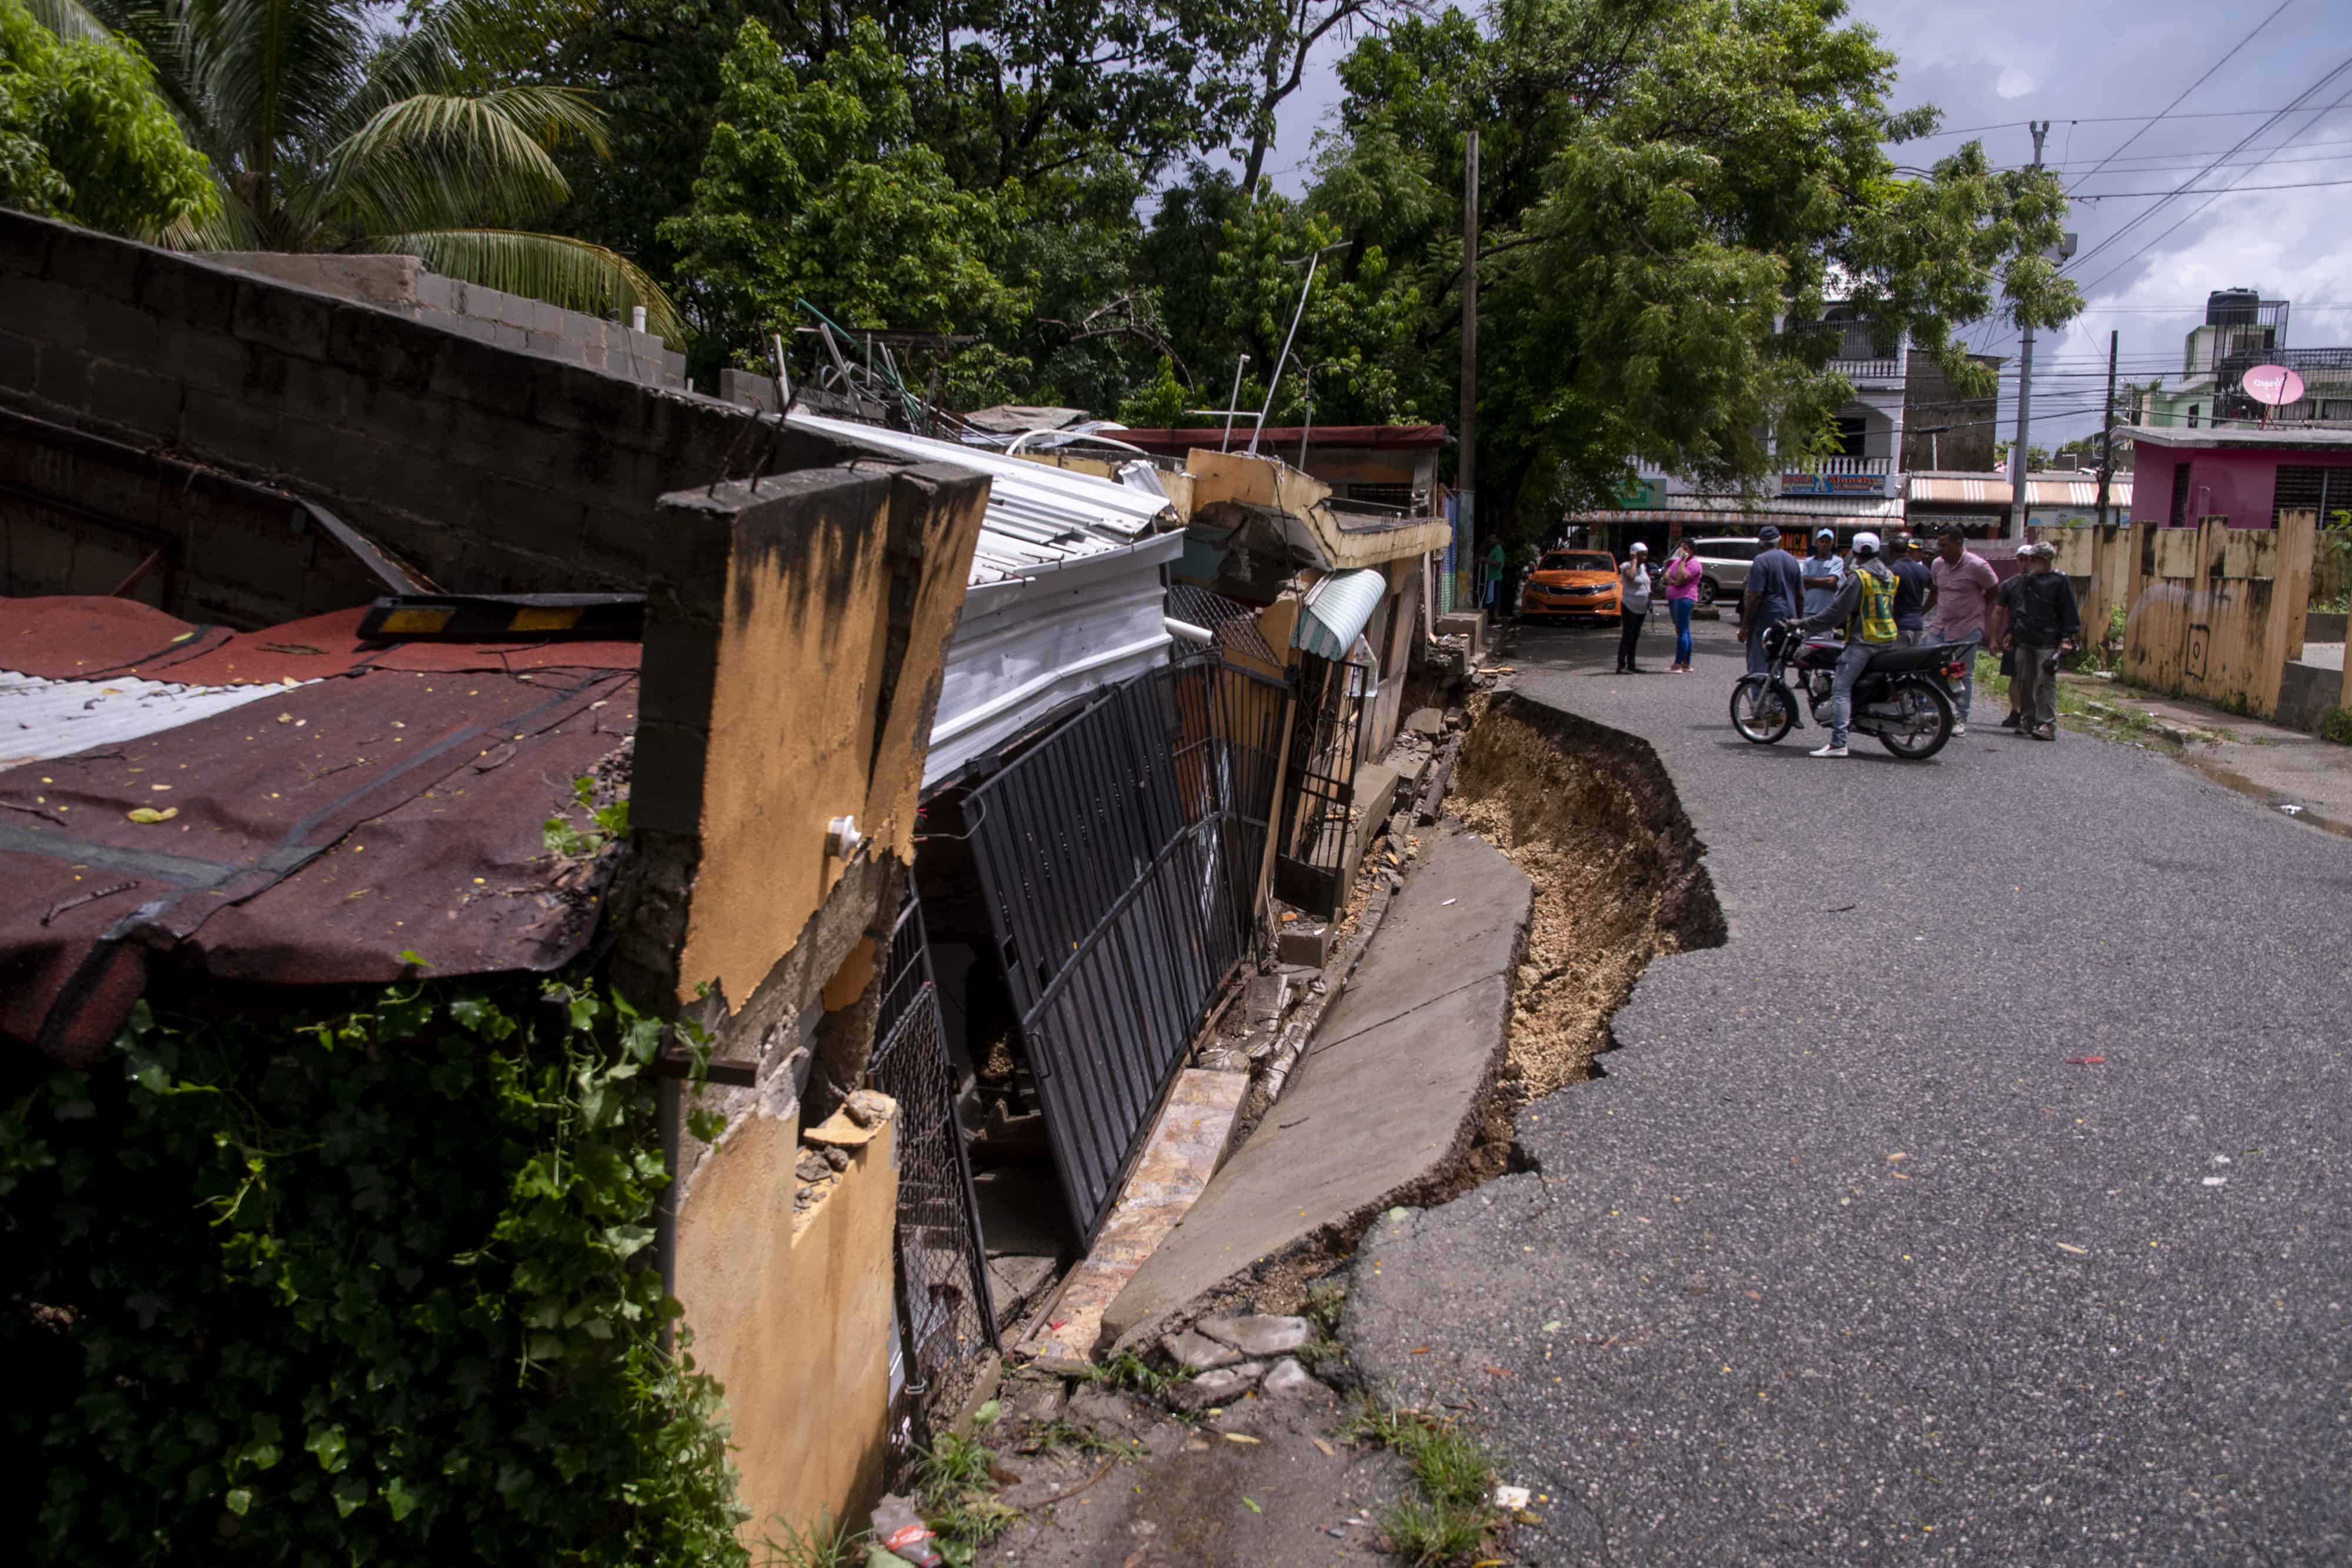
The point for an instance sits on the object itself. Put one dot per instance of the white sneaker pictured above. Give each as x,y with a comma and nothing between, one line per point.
1828,751
1960,729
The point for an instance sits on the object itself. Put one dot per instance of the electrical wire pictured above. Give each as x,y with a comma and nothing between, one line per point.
2106,120
2192,87
2224,191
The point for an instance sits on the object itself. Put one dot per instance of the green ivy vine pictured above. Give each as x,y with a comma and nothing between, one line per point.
367,1286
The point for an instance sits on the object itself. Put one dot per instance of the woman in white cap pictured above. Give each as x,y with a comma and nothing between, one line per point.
1634,603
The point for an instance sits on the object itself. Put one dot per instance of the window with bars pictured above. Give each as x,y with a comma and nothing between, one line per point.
2181,474
2301,486
1381,494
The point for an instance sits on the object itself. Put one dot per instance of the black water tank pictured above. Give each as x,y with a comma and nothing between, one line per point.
2233,307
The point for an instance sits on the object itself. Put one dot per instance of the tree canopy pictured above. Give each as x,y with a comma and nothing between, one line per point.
85,135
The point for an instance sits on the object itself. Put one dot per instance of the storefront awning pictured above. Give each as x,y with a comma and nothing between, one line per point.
1338,610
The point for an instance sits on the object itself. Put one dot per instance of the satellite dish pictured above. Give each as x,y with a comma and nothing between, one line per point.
2272,384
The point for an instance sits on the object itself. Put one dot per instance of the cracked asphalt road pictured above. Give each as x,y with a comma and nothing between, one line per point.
1842,1261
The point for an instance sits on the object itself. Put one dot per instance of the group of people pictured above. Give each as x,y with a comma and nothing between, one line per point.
1877,604
1634,590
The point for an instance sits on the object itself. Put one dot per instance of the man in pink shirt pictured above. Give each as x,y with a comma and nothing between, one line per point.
1962,593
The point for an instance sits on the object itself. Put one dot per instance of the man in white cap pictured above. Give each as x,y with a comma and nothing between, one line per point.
1634,603
1863,607
1824,571
2045,622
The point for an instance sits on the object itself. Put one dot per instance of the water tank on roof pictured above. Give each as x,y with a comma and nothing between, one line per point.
2233,307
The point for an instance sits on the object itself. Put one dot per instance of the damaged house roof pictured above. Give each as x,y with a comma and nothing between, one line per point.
291,805
1064,596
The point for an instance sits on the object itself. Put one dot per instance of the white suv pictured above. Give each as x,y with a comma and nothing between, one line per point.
1727,562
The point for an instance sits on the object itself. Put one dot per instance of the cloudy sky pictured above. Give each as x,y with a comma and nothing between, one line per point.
2096,69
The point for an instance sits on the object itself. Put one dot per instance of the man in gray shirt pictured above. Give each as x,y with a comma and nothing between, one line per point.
1776,589
1824,572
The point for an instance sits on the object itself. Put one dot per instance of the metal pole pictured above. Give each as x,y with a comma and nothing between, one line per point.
2017,470
1283,358
1465,472
2107,432
1232,403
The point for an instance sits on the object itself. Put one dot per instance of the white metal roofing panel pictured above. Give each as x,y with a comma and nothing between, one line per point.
41,718
1032,492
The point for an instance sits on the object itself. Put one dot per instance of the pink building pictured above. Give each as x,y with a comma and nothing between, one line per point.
2245,473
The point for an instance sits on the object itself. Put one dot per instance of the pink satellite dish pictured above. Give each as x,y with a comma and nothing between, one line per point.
2272,384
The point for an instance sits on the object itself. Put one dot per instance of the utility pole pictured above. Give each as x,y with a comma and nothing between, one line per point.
1465,471
2041,128
2107,432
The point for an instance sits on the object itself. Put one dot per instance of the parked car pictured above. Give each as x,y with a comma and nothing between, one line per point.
1570,585
1727,562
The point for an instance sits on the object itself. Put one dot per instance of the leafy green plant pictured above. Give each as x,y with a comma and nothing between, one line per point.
1131,1373
2336,725
956,1492
364,1283
824,1544
607,824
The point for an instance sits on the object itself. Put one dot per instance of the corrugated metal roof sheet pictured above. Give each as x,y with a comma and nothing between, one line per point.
317,829
1338,610
41,718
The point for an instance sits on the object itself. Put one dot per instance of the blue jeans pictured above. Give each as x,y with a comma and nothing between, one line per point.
1842,684
1682,613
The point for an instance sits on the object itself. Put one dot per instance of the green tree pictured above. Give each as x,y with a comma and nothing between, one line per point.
817,189
85,136
327,133
1673,192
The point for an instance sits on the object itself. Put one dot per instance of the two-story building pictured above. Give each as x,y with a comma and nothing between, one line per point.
1860,485
2240,330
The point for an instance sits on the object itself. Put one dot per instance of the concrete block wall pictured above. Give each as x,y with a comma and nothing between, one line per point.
402,285
484,470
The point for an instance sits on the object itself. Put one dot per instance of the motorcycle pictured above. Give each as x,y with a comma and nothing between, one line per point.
1902,697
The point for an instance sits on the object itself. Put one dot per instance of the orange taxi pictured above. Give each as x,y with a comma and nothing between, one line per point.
1571,584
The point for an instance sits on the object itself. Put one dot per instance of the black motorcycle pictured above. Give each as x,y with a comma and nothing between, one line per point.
1902,697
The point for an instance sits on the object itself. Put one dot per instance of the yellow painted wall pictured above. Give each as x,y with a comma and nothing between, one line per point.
794,1321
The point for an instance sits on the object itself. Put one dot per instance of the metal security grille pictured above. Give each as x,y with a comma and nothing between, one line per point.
2307,488
1319,796
946,1319
1120,858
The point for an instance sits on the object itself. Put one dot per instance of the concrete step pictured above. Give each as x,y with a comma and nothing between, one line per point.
1386,1100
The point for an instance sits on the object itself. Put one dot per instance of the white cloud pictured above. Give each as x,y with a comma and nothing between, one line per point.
2014,81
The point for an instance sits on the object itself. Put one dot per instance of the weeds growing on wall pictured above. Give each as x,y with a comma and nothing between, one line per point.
368,1286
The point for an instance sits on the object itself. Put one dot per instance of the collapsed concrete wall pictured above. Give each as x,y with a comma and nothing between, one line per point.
482,469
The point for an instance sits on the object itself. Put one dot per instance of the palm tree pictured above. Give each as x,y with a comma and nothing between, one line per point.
333,128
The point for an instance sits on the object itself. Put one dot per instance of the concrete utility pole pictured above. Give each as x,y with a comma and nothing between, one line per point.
2041,128
1465,472
2107,432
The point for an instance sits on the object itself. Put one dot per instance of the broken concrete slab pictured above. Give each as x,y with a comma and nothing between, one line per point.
1258,1334
1219,1388
1265,999
1183,1150
1385,1102
1197,1353
1309,947
1288,1379
1426,721
1015,1281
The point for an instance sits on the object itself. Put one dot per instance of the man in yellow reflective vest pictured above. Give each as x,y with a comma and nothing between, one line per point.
1865,609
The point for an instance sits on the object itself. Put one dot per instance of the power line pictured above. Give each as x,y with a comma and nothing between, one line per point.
2222,191
2294,107
2109,119
2192,87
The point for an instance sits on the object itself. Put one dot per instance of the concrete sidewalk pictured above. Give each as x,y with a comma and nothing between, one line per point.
1387,1099
2270,762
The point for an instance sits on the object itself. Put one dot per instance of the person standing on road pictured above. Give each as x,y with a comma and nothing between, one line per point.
1864,607
2046,623
1682,574
1634,603
2004,612
1960,595
1774,595
1496,571
1913,584
1825,572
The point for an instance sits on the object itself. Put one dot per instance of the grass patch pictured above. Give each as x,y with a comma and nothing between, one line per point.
2336,725
1062,1437
957,1495
824,1544
1131,1373
1453,1518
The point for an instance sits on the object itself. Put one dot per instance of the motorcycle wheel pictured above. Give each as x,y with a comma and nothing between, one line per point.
1762,709
1924,726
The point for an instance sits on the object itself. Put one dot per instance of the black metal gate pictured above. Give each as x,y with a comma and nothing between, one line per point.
1121,859
946,1318
1318,797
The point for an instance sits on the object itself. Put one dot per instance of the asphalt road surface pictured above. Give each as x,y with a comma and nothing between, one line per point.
1843,1261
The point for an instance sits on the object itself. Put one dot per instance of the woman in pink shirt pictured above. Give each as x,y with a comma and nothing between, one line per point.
1683,573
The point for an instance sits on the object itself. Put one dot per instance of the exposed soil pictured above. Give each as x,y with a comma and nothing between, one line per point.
1589,815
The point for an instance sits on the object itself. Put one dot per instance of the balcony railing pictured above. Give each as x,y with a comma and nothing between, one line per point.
1871,370
1882,466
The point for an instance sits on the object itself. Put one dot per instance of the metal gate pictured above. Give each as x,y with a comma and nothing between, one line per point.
1121,859
945,1316
1319,796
